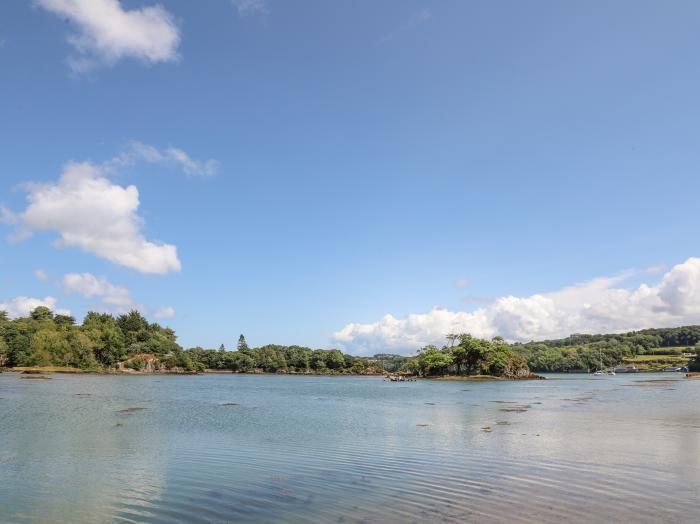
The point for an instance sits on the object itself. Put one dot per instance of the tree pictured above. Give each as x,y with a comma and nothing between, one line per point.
3,351
222,348
133,326
242,344
41,313
335,359
469,353
436,361
64,320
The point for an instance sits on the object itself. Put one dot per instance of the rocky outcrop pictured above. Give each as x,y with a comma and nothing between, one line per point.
145,363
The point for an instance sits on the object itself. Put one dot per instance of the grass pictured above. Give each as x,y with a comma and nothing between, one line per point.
655,358
656,362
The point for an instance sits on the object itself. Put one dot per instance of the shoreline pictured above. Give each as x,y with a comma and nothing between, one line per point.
484,378
49,370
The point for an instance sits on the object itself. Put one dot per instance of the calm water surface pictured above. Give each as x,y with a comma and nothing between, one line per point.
319,449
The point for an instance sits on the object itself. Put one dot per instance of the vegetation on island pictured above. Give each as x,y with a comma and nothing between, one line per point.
466,355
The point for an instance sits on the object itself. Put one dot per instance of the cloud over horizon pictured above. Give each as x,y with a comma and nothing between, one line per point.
21,306
113,299
106,32
597,306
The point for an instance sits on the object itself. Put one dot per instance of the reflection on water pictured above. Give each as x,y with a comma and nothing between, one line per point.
317,449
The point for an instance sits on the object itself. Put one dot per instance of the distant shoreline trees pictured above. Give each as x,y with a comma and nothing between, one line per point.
103,341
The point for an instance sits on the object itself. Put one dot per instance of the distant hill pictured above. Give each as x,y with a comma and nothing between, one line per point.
581,351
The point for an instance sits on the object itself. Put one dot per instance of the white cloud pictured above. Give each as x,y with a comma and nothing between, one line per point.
250,7
106,32
21,306
7,216
114,299
90,286
171,156
598,306
657,268
92,213
164,312
41,274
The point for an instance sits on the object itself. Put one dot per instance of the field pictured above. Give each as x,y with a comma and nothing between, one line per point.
656,362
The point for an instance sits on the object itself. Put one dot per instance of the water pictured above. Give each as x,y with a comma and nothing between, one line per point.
348,449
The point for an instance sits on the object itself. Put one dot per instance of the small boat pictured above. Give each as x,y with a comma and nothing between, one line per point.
673,370
599,373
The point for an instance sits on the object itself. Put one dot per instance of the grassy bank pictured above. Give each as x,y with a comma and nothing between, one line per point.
653,363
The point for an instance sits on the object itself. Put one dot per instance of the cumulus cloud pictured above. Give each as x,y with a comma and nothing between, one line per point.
172,156
250,7
657,268
105,32
90,212
21,306
7,216
114,299
88,285
599,306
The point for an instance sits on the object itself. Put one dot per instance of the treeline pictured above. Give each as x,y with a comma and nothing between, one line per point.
643,339
102,341
583,352
274,358
466,355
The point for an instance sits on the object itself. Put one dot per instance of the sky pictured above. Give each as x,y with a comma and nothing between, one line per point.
366,175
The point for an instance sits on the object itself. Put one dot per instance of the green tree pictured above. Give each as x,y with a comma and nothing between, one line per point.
3,352
41,313
335,359
242,344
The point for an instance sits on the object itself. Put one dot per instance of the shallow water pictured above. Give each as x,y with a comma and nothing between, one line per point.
348,449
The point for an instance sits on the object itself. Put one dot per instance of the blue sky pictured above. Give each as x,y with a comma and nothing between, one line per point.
344,161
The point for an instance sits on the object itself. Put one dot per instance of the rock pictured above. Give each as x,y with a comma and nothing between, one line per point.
129,411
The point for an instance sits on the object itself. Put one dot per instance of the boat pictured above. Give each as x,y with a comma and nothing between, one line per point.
673,369
600,370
